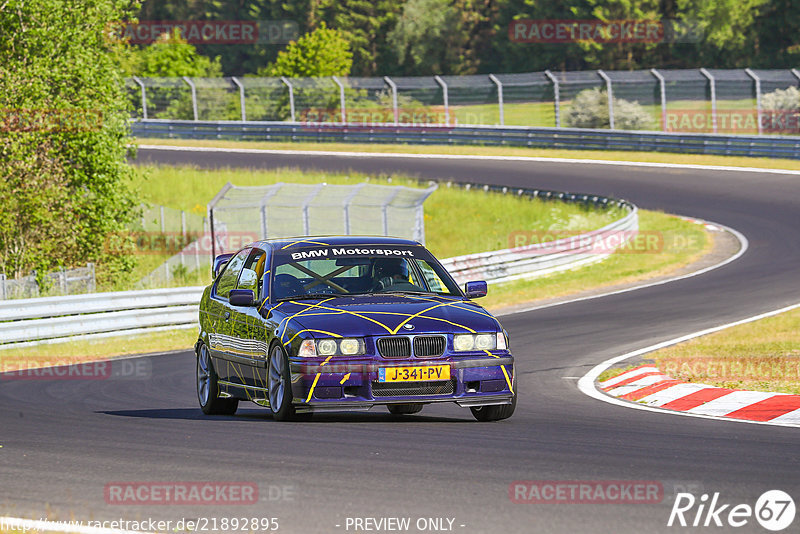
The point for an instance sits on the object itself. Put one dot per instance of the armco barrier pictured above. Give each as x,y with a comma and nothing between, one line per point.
564,138
53,318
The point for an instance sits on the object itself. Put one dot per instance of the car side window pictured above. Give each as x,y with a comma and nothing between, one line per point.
253,272
228,278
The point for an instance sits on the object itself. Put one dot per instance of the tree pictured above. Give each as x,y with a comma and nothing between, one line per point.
63,157
171,56
323,52
365,24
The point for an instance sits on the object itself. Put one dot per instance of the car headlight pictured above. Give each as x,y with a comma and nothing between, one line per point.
326,347
464,342
468,342
350,346
334,347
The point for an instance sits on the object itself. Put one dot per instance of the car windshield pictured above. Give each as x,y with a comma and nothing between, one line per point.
325,271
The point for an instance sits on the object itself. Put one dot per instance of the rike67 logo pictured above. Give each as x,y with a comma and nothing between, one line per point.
774,510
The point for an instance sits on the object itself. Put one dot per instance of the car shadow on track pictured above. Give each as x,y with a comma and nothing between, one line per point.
264,415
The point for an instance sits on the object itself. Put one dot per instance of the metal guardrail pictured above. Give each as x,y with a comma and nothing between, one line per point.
39,319
564,138
543,258
54,318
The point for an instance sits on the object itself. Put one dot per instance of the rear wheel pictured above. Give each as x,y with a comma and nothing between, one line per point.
280,388
404,409
208,387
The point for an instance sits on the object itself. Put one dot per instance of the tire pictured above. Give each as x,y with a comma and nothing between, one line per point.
497,412
280,387
208,387
404,409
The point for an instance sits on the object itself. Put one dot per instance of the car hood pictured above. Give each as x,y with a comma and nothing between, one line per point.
381,315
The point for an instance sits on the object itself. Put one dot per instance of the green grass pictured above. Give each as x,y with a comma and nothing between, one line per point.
457,221
763,356
81,350
647,157
683,242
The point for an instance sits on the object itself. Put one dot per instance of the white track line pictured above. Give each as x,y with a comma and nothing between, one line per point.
30,525
587,383
538,159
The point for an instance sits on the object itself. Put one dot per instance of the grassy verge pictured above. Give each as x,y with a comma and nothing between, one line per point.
650,157
70,352
680,242
457,221
762,356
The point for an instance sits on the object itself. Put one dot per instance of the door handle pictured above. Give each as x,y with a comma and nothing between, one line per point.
227,315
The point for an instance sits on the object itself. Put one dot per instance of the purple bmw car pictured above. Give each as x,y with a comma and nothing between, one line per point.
348,323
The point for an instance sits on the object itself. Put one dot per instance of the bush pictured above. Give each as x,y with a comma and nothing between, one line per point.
589,109
781,100
64,176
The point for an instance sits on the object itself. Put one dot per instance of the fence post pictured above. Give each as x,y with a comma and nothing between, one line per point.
393,87
194,95
610,93
161,216
2,286
385,210
713,85
441,82
341,98
796,74
144,96
306,202
291,96
499,97
663,87
235,80
758,97
183,236
556,95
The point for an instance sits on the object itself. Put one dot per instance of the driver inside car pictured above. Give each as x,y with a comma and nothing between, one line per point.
391,274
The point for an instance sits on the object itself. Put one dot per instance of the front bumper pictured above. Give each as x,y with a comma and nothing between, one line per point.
352,384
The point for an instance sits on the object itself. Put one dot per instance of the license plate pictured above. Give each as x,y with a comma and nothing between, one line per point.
414,374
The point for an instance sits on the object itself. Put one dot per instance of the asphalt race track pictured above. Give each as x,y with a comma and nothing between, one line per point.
64,441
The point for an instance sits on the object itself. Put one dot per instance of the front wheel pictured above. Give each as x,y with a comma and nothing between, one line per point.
280,388
496,412
404,409
208,387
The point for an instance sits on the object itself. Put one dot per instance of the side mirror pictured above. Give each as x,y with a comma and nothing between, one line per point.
475,289
219,263
241,297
